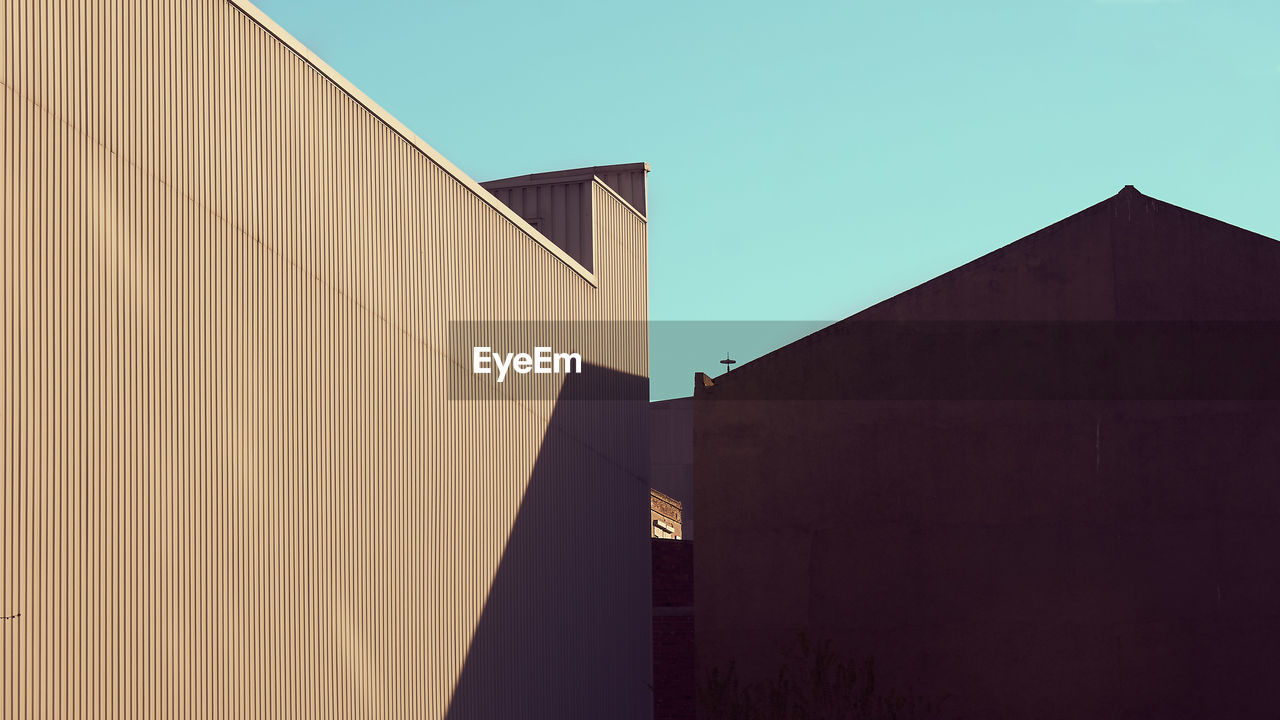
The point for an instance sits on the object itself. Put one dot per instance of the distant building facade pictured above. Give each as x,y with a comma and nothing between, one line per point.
664,516
671,527
1045,484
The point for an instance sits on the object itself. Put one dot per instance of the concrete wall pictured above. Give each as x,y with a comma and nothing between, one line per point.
235,483
1012,556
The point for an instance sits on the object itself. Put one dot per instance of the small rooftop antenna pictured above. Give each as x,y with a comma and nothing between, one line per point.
728,362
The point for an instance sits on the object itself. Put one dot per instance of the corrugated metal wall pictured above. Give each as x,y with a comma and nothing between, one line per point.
630,183
562,211
233,483
559,203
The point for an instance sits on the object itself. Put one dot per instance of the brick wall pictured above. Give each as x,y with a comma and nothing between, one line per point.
664,516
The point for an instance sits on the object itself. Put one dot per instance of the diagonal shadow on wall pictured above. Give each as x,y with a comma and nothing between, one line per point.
565,630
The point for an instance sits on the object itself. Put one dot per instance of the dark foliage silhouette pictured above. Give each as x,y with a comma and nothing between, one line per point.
812,684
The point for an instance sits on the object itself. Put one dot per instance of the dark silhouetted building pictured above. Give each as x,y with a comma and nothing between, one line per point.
1043,485
671,527
671,455
674,687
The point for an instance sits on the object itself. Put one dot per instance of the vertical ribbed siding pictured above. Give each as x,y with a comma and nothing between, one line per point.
560,211
233,483
630,184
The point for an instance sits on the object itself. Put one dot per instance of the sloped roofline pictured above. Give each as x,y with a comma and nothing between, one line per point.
586,174
272,27
1127,192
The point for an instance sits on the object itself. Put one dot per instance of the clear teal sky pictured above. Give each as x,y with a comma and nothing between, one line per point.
812,158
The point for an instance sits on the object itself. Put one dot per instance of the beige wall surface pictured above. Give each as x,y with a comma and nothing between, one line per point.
234,484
